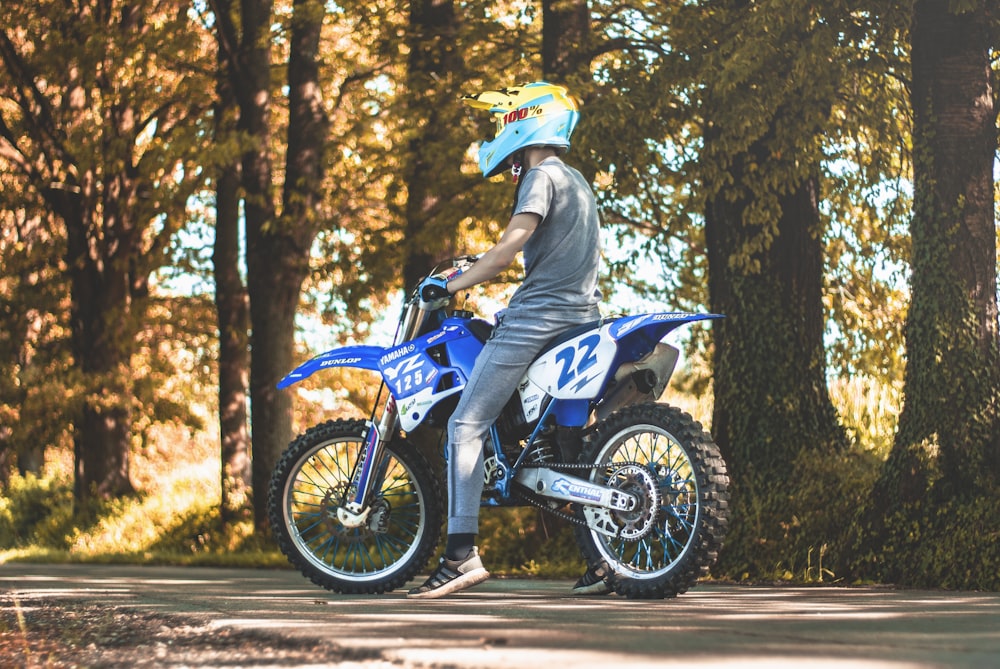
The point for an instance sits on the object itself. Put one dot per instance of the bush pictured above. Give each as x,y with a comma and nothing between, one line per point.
36,511
954,544
527,542
799,529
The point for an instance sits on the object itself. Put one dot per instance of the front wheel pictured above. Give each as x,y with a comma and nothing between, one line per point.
311,483
662,457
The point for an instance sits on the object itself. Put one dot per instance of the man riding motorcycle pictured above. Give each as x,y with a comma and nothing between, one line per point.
555,225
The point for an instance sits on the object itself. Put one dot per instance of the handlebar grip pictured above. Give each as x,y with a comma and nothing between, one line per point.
431,292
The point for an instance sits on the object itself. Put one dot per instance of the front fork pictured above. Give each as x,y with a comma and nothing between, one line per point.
357,505
368,473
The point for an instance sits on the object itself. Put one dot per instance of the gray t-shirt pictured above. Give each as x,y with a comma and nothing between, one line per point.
562,256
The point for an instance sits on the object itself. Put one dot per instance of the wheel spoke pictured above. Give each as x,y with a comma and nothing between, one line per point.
661,456
315,494
665,460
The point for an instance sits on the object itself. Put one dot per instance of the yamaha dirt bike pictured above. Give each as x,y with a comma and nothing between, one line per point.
358,509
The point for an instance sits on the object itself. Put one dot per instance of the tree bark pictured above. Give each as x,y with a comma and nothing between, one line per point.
232,309
433,73
566,38
949,429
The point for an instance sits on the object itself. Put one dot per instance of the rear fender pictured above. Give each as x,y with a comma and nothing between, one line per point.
662,323
579,368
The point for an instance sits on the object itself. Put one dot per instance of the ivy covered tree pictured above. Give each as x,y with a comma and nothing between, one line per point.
933,515
771,84
764,237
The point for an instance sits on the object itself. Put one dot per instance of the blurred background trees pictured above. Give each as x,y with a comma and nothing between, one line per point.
197,195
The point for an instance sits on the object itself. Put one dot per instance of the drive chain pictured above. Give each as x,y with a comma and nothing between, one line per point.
540,502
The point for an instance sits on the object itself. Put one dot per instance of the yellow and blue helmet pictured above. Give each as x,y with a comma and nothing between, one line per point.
536,114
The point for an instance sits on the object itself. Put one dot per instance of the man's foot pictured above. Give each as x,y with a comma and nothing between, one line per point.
452,576
594,582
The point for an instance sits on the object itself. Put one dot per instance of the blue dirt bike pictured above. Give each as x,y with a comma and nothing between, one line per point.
357,508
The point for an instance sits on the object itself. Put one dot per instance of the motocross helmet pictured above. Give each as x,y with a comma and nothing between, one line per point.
536,114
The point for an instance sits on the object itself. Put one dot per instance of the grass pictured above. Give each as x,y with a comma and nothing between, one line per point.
172,519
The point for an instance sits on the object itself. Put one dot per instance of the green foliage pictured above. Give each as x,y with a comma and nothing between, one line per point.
783,525
36,512
953,544
36,385
175,521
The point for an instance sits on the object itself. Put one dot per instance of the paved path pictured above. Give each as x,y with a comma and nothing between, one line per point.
507,624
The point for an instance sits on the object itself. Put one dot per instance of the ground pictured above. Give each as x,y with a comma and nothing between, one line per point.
65,633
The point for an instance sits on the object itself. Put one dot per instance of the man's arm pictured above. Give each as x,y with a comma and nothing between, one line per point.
500,257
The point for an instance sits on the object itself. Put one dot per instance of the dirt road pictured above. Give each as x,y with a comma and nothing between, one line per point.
128,616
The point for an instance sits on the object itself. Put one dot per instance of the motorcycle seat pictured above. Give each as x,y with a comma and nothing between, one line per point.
483,329
569,334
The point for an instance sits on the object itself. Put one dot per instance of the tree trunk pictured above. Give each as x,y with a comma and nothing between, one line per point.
251,81
946,456
278,248
771,400
952,381
434,150
100,312
773,331
232,309
278,257
566,36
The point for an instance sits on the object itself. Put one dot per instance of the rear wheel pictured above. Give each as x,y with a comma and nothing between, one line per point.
396,538
664,458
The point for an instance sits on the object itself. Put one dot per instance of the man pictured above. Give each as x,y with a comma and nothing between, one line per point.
555,224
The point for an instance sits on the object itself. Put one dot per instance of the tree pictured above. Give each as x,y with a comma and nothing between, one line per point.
232,307
278,247
767,91
939,485
435,149
100,123
324,180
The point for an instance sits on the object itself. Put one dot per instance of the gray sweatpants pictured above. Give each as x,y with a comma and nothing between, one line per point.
500,366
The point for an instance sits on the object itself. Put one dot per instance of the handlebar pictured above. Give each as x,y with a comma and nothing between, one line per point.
460,262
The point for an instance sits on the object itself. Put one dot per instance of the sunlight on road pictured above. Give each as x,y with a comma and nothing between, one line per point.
517,623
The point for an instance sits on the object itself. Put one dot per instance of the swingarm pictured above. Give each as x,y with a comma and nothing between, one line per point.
561,486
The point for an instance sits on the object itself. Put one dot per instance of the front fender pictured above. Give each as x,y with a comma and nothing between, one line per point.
362,357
